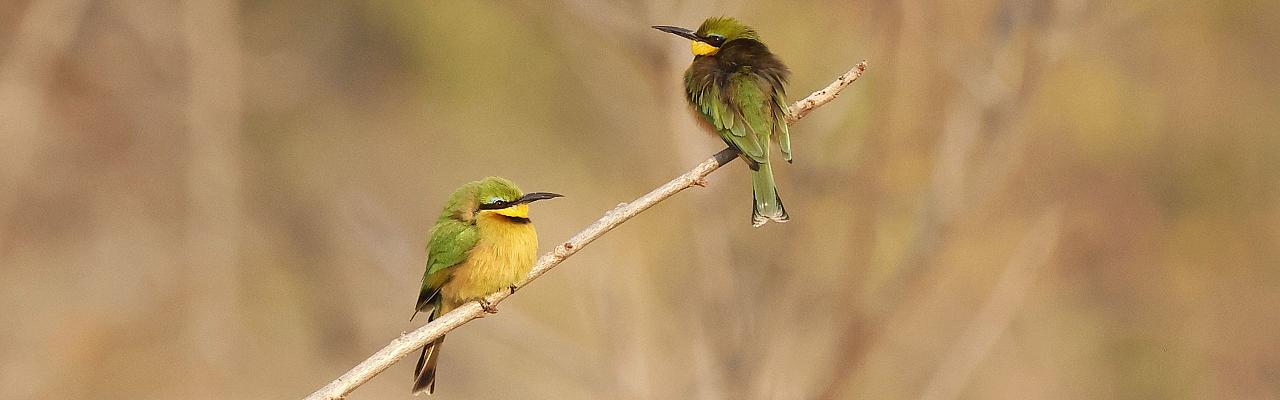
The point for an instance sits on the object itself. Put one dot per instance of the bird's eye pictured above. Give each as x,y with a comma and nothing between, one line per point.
494,201
715,40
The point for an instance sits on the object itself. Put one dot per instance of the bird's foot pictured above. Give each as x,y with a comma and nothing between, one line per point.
701,182
487,307
512,289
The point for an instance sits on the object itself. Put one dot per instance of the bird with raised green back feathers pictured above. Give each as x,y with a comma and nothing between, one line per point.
737,86
483,242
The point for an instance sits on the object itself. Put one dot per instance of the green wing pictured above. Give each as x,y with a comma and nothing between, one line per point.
745,118
781,110
449,244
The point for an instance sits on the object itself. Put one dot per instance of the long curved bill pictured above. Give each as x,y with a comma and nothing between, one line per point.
535,196
678,31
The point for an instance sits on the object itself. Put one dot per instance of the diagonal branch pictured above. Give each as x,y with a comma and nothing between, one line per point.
407,343
820,98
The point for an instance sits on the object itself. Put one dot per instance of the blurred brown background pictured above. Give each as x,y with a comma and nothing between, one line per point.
1062,199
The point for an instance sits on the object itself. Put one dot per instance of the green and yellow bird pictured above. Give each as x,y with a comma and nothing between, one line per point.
737,86
483,242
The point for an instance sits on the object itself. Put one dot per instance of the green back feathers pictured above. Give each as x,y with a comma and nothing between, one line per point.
740,90
738,85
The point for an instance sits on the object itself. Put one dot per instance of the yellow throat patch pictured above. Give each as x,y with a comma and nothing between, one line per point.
702,49
516,211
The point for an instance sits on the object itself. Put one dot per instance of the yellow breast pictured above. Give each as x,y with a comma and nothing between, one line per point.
503,256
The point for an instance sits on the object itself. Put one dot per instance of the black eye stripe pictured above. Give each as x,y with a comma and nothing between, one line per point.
497,205
714,40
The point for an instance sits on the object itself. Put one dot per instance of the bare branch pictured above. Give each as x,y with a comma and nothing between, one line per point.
819,98
409,342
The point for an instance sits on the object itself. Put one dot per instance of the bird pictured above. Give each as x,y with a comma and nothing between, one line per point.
737,85
482,242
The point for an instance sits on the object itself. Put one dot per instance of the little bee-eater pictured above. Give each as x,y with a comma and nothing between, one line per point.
737,86
483,242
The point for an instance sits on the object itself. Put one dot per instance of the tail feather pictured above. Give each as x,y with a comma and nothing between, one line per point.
767,204
425,373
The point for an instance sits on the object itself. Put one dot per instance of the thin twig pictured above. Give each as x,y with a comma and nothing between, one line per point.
819,98
407,343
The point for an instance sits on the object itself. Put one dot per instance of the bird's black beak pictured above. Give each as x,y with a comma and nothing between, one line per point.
535,196
682,32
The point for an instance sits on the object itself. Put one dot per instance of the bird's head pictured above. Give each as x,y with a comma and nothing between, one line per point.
714,33
495,195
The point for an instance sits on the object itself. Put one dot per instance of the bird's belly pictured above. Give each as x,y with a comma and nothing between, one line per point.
502,257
